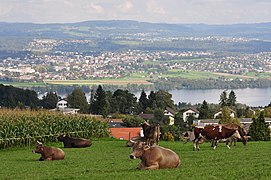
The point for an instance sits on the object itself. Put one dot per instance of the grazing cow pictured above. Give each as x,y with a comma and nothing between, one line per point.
48,153
154,157
151,133
217,132
71,142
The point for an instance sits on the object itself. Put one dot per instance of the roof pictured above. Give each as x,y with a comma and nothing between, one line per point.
125,133
171,110
115,123
146,116
193,109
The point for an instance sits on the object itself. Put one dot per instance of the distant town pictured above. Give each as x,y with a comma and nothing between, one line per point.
64,65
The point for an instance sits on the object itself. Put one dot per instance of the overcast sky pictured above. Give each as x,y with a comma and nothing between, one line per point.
164,11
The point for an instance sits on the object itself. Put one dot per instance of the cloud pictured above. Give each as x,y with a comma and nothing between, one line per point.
154,8
95,8
127,6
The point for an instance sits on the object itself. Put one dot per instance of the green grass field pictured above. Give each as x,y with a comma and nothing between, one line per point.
109,159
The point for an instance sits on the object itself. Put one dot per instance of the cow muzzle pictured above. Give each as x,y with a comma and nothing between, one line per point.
132,156
33,151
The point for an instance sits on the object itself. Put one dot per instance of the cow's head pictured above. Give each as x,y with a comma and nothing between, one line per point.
39,148
144,125
243,133
61,137
139,149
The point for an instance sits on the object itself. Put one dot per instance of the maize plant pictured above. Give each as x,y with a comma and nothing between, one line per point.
25,127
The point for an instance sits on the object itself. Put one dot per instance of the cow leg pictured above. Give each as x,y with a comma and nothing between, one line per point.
214,144
141,166
195,146
153,166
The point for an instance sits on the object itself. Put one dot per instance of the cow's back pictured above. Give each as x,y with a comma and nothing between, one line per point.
165,157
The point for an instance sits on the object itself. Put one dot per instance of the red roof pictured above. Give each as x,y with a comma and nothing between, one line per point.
125,133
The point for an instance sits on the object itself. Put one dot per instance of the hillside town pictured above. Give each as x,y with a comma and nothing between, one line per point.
70,65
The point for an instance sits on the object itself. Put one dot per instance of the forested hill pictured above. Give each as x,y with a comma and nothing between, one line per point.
92,29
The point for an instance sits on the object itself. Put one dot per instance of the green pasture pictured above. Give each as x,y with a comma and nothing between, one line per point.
266,75
190,74
185,60
136,78
109,159
128,43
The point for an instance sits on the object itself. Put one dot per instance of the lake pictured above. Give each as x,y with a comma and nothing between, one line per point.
248,96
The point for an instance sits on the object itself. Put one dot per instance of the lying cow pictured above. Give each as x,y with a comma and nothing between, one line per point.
48,153
71,142
151,133
133,140
154,157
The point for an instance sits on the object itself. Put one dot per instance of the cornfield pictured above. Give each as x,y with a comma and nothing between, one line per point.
25,127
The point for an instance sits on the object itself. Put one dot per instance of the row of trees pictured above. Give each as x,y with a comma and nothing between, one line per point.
122,101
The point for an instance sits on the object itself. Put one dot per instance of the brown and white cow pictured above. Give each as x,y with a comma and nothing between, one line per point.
72,142
49,153
154,157
217,132
151,133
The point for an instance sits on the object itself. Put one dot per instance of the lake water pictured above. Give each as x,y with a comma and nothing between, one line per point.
248,96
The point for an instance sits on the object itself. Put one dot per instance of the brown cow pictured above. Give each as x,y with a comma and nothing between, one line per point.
48,153
71,142
154,157
151,133
215,133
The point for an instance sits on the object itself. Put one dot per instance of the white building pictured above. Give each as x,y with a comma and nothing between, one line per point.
190,112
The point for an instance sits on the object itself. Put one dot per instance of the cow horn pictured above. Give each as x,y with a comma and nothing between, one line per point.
39,142
146,147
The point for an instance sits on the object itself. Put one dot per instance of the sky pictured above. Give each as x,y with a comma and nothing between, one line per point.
156,11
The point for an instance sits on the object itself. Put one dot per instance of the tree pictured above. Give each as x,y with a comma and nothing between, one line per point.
190,120
77,99
99,103
123,102
204,110
152,100
267,111
143,101
158,116
225,116
223,99
132,121
259,130
232,99
164,99
49,101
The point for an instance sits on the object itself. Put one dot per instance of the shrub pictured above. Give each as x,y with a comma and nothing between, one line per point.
168,136
132,121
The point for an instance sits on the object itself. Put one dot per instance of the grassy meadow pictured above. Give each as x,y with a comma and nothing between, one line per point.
109,159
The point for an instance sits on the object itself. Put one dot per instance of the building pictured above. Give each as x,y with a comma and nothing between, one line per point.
232,114
62,106
190,112
170,113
